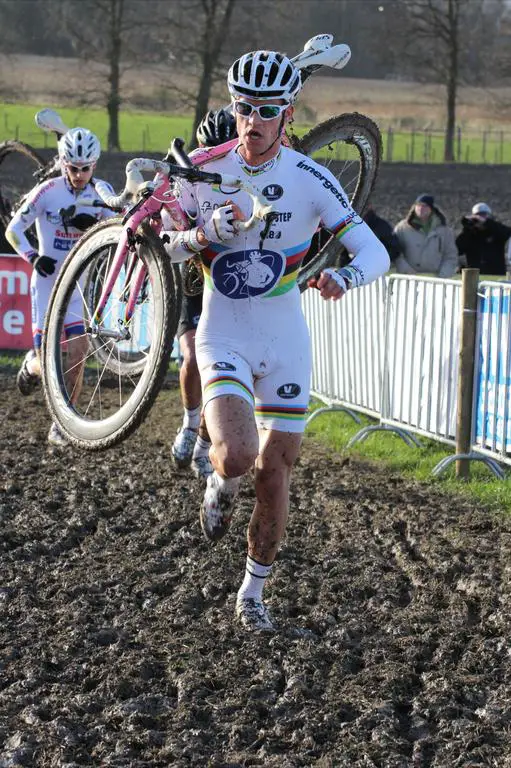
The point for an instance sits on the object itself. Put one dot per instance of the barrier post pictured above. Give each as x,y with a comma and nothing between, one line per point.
468,322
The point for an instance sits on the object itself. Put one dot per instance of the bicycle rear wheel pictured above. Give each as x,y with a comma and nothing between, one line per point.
18,166
113,402
350,146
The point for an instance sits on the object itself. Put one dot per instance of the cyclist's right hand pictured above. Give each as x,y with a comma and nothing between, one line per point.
43,265
220,227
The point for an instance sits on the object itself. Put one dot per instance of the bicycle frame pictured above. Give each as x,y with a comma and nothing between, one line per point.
150,208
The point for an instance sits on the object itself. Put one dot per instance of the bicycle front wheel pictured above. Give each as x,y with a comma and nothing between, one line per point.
96,388
350,146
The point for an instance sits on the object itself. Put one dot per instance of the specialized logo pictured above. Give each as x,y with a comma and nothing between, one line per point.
207,205
326,182
288,391
53,218
222,366
273,192
243,274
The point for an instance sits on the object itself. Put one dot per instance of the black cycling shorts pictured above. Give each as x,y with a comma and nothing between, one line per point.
191,308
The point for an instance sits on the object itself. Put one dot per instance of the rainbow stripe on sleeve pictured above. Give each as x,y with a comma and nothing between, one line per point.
344,225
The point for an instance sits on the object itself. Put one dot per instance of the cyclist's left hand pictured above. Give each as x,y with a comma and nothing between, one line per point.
331,285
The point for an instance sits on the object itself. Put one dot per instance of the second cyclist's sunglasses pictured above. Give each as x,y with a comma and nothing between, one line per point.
265,111
78,168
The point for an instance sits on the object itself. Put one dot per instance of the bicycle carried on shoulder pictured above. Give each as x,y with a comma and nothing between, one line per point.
129,298
22,167
130,293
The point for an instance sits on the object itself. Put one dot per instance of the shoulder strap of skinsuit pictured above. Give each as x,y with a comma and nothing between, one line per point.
204,155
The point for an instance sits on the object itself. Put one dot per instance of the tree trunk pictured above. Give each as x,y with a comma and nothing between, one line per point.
213,37
201,105
452,80
114,77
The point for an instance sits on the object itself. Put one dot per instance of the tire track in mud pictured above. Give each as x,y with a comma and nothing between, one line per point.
118,646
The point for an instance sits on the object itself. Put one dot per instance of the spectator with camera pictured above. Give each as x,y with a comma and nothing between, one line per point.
482,241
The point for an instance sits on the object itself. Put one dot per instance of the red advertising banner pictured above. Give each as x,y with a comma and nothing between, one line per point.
15,306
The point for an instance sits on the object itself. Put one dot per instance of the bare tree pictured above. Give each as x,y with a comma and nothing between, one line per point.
441,37
115,38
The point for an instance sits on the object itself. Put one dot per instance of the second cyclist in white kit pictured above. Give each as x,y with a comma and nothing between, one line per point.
59,223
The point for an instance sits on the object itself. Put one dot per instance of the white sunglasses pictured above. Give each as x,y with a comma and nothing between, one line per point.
265,111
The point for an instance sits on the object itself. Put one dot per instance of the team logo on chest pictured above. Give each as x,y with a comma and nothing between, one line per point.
273,192
242,274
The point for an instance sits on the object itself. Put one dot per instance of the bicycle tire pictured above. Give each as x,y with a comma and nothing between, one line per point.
12,191
363,135
123,362
88,425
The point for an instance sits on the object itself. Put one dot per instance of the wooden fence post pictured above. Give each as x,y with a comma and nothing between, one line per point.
468,324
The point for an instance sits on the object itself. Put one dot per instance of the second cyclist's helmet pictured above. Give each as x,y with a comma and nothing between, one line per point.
79,146
216,127
264,75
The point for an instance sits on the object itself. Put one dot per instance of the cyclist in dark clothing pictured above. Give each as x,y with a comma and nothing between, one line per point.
383,231
482,241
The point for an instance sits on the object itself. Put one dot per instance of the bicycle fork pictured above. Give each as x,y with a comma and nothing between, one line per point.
133,281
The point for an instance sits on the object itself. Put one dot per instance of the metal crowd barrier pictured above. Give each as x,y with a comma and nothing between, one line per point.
391,350
347,349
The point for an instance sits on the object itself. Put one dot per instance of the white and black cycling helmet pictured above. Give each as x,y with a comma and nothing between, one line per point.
264,75
79,146
216,127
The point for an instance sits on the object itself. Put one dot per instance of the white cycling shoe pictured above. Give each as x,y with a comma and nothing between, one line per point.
254,616
217,508
55,437
182,449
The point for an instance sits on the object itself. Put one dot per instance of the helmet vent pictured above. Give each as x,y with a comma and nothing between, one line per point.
259,75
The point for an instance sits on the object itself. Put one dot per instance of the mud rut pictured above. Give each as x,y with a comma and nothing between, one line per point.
117,641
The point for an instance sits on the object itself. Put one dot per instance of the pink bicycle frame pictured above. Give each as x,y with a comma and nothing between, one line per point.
150,209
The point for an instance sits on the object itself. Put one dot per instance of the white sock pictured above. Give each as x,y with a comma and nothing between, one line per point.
201,448
255,577
191,418
229,484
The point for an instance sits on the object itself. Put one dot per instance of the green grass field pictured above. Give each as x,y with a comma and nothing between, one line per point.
147,131
335,430
152,132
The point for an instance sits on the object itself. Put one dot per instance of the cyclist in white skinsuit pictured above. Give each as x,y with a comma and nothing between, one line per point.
59,223
252,343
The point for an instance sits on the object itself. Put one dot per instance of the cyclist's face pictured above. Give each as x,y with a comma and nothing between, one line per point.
79,175
255,133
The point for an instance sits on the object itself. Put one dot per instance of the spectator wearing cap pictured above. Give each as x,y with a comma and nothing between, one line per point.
482,241
427,243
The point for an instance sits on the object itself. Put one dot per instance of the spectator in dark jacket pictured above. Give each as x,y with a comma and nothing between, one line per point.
482,241
383,231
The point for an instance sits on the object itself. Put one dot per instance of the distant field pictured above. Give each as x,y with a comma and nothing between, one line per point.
138,130
411,116
151,132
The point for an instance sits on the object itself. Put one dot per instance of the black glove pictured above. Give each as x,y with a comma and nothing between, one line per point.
82,221
467,221
43,265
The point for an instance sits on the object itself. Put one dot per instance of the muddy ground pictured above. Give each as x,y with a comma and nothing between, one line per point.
118,646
